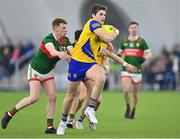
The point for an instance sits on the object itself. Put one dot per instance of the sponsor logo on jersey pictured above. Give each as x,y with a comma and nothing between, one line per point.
61,48
133,52
74,75
131,44
137,44
125,44
95,25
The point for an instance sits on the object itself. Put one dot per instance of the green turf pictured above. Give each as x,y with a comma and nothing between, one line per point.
158,115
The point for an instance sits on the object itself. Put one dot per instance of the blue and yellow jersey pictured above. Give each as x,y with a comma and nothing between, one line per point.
99,57
86,49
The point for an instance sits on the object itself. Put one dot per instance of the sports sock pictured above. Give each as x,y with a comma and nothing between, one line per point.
92,103
12,112
71,117
50,122
81,119
64,117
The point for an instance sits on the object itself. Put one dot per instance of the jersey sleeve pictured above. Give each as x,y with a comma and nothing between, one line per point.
47,39
145,46
121,47
104,45
94,25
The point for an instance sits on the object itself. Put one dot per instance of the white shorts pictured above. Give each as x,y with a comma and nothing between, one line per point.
33,75
136,78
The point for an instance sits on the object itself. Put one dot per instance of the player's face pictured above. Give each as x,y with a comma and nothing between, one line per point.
60,31
133,29
100,16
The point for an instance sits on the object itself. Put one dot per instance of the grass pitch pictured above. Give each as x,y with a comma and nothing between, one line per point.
157,116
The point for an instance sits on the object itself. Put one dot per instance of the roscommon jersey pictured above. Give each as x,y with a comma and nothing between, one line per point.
88,44
99,58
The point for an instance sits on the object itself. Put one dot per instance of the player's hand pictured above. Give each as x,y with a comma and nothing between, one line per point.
106,70
142,60
131,68
64,56
104,51
110,46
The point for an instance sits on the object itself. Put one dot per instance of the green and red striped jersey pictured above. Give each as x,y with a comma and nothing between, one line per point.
42,61
133,52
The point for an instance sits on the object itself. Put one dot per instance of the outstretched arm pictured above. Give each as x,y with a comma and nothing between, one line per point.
53,52
112,55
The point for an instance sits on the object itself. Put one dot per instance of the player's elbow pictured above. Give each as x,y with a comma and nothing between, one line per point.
149,55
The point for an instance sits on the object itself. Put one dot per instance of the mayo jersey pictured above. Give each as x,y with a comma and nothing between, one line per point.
99,57
133,52
43,62
88,44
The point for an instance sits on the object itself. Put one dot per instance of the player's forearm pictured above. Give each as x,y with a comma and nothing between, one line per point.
109,37
54,52
148,55
105,61
50,47
118,59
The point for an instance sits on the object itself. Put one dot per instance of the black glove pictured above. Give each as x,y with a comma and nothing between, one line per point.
142,60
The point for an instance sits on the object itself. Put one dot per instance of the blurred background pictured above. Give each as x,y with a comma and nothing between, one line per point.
24,23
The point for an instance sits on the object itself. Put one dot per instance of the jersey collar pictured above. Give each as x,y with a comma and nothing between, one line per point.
54,36
136,37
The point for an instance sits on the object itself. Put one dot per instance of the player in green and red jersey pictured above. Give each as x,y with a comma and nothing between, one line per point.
135,51
40,73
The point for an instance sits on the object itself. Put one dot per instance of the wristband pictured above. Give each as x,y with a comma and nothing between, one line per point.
124,64
106,67
117,31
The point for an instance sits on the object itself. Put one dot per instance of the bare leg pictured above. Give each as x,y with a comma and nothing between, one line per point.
95,74
76,105
71,93
126,84
50,89
33,97
135,90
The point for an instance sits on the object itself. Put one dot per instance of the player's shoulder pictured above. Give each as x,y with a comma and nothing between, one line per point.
49,37
94,23
140,39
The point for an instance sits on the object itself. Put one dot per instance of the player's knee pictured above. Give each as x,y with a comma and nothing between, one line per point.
125,91
100,81
34,99
52,98
135,95
71,96
81,99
